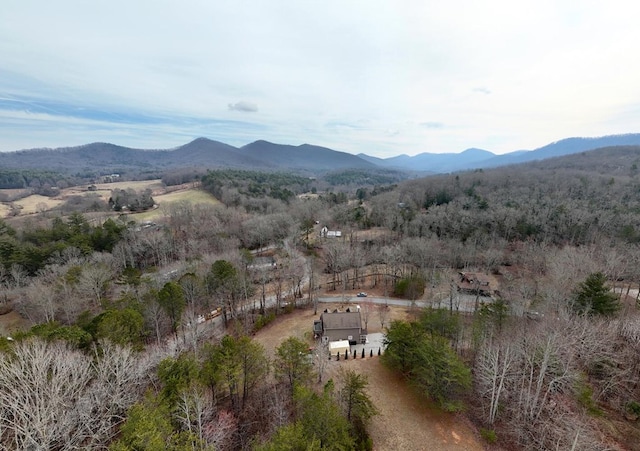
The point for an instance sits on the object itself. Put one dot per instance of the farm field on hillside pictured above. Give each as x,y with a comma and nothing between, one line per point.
104,189
194,196
138,185
37,204
163,196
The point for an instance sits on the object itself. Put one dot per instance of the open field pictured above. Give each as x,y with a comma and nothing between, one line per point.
104,189
163,196
194,196
137,185
37,204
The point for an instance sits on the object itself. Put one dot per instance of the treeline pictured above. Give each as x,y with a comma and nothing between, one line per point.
254,184
530,382
255,411
183,175
558,205
236,187
131,200
37,179
33,248
358,178
224,396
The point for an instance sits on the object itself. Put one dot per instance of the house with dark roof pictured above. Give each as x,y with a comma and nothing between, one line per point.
334,326
474,283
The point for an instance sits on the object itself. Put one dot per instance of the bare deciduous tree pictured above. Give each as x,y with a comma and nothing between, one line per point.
93,280
383,314
321,358
19,275
492,370
221,430
39,392
193,412
39,302
366,310
55,397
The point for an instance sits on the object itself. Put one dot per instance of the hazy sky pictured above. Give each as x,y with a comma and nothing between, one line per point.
379,77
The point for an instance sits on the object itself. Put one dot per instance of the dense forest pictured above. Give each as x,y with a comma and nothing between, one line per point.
115,356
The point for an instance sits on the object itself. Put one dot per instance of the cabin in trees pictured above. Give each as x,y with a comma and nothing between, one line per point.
334,326
326,233
474,283
267,262
111,178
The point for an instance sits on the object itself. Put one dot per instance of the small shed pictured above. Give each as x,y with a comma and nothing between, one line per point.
339,347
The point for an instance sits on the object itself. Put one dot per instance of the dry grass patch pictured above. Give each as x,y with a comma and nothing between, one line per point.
37,204
163,197
138,185
104,189
4,210
193,196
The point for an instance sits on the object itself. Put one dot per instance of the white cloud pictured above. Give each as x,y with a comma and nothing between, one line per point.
501,75
432,125
246,107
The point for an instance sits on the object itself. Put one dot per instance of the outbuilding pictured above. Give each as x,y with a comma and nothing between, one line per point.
339,347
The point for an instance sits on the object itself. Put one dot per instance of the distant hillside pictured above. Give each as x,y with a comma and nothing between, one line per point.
478,158
77,158
200,153
614,161
576,199
567,146
441,162
305,156
204,153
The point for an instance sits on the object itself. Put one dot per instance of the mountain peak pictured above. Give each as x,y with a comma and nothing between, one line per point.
475,150
259,142
200,139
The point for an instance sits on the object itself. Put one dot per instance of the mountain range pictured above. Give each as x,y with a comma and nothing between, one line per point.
206,153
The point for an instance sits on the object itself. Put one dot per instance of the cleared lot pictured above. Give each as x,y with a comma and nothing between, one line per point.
407,421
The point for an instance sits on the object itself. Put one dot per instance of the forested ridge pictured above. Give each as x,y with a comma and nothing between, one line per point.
114,352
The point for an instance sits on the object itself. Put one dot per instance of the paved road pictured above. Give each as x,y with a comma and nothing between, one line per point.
374,300
462,303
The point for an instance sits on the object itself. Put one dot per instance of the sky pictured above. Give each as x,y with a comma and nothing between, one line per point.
378,77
